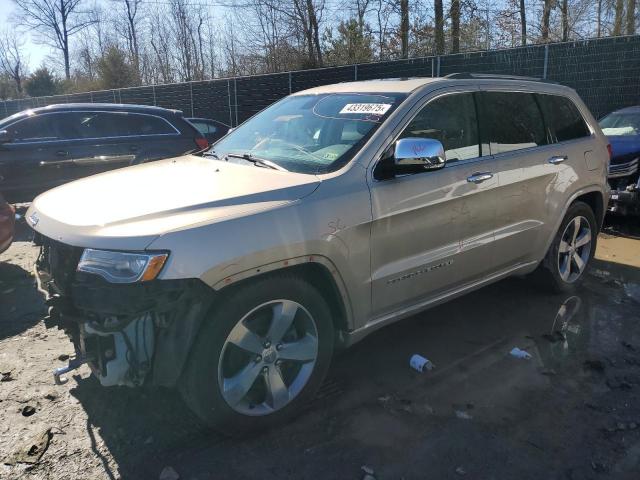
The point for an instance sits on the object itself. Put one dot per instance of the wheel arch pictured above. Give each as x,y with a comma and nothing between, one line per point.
593,196
318,270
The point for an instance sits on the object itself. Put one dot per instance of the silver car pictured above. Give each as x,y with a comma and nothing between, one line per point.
334,212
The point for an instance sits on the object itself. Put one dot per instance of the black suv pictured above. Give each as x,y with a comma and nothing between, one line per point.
46,147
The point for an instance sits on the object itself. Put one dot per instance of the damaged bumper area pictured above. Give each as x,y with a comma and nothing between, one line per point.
129,334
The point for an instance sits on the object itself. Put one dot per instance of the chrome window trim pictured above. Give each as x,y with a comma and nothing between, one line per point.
177,132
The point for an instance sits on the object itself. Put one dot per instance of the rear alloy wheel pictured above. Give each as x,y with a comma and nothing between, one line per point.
572,249
261,355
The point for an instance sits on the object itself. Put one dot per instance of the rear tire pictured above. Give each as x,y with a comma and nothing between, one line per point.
260,356
565,265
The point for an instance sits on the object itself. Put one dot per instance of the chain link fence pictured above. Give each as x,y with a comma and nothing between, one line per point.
605,72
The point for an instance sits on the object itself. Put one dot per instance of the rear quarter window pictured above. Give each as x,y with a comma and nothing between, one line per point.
562,117
133,124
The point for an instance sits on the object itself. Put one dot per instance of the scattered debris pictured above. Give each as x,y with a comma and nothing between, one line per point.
394,405
369,473
28,410
63,357
6,377
31,452
51,395
168,473
461,471
516,352
420,363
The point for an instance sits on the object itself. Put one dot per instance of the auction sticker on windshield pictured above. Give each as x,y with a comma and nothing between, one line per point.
378,108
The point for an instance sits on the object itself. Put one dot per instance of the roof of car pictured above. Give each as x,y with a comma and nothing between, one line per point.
391,85
62,107
408,85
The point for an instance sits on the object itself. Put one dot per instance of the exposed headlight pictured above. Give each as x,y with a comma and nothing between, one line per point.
122,267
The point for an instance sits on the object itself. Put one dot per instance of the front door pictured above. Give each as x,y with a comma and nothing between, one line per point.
24,169
433,232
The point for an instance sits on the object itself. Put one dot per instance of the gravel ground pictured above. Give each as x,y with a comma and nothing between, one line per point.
570,412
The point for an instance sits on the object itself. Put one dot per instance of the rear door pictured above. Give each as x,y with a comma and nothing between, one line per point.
432,232
533,172
151,137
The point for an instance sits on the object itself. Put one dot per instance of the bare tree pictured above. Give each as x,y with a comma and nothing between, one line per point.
130,12
439,21
54,22
523,24
619,16
546,15
565,20
631,17
12,61
404,27
455,26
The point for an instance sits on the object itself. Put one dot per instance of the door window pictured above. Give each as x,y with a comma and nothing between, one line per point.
563,118
451,119
87,125
38,128
511,121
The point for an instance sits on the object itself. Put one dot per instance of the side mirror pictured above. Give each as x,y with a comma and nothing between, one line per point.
5,137
417,154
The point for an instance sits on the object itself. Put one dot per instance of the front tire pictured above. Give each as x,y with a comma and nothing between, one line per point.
572,249
261,355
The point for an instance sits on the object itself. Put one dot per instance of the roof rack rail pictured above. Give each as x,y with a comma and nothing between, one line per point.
489,76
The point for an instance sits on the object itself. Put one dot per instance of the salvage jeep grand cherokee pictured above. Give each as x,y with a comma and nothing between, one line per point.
328,215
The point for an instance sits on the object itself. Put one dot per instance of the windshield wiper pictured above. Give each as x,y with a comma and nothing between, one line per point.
256,161
210,153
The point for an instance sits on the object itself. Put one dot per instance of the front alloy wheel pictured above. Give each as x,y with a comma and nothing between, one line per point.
268,357
261,354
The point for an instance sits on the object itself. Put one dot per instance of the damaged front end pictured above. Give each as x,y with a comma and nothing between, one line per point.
624,179
129,333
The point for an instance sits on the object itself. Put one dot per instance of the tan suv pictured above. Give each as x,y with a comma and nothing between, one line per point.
332,213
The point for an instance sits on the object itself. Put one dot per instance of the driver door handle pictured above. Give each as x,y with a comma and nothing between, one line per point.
479,177
558,159
61,153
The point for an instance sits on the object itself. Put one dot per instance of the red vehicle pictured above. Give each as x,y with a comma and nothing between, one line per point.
7,224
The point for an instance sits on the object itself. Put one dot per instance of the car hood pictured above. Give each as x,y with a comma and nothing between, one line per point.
624,146
128,208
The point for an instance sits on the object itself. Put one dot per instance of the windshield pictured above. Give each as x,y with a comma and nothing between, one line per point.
617,124
309,133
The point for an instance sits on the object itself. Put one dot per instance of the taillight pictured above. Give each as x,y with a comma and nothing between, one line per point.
202,143
6,211
610,150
